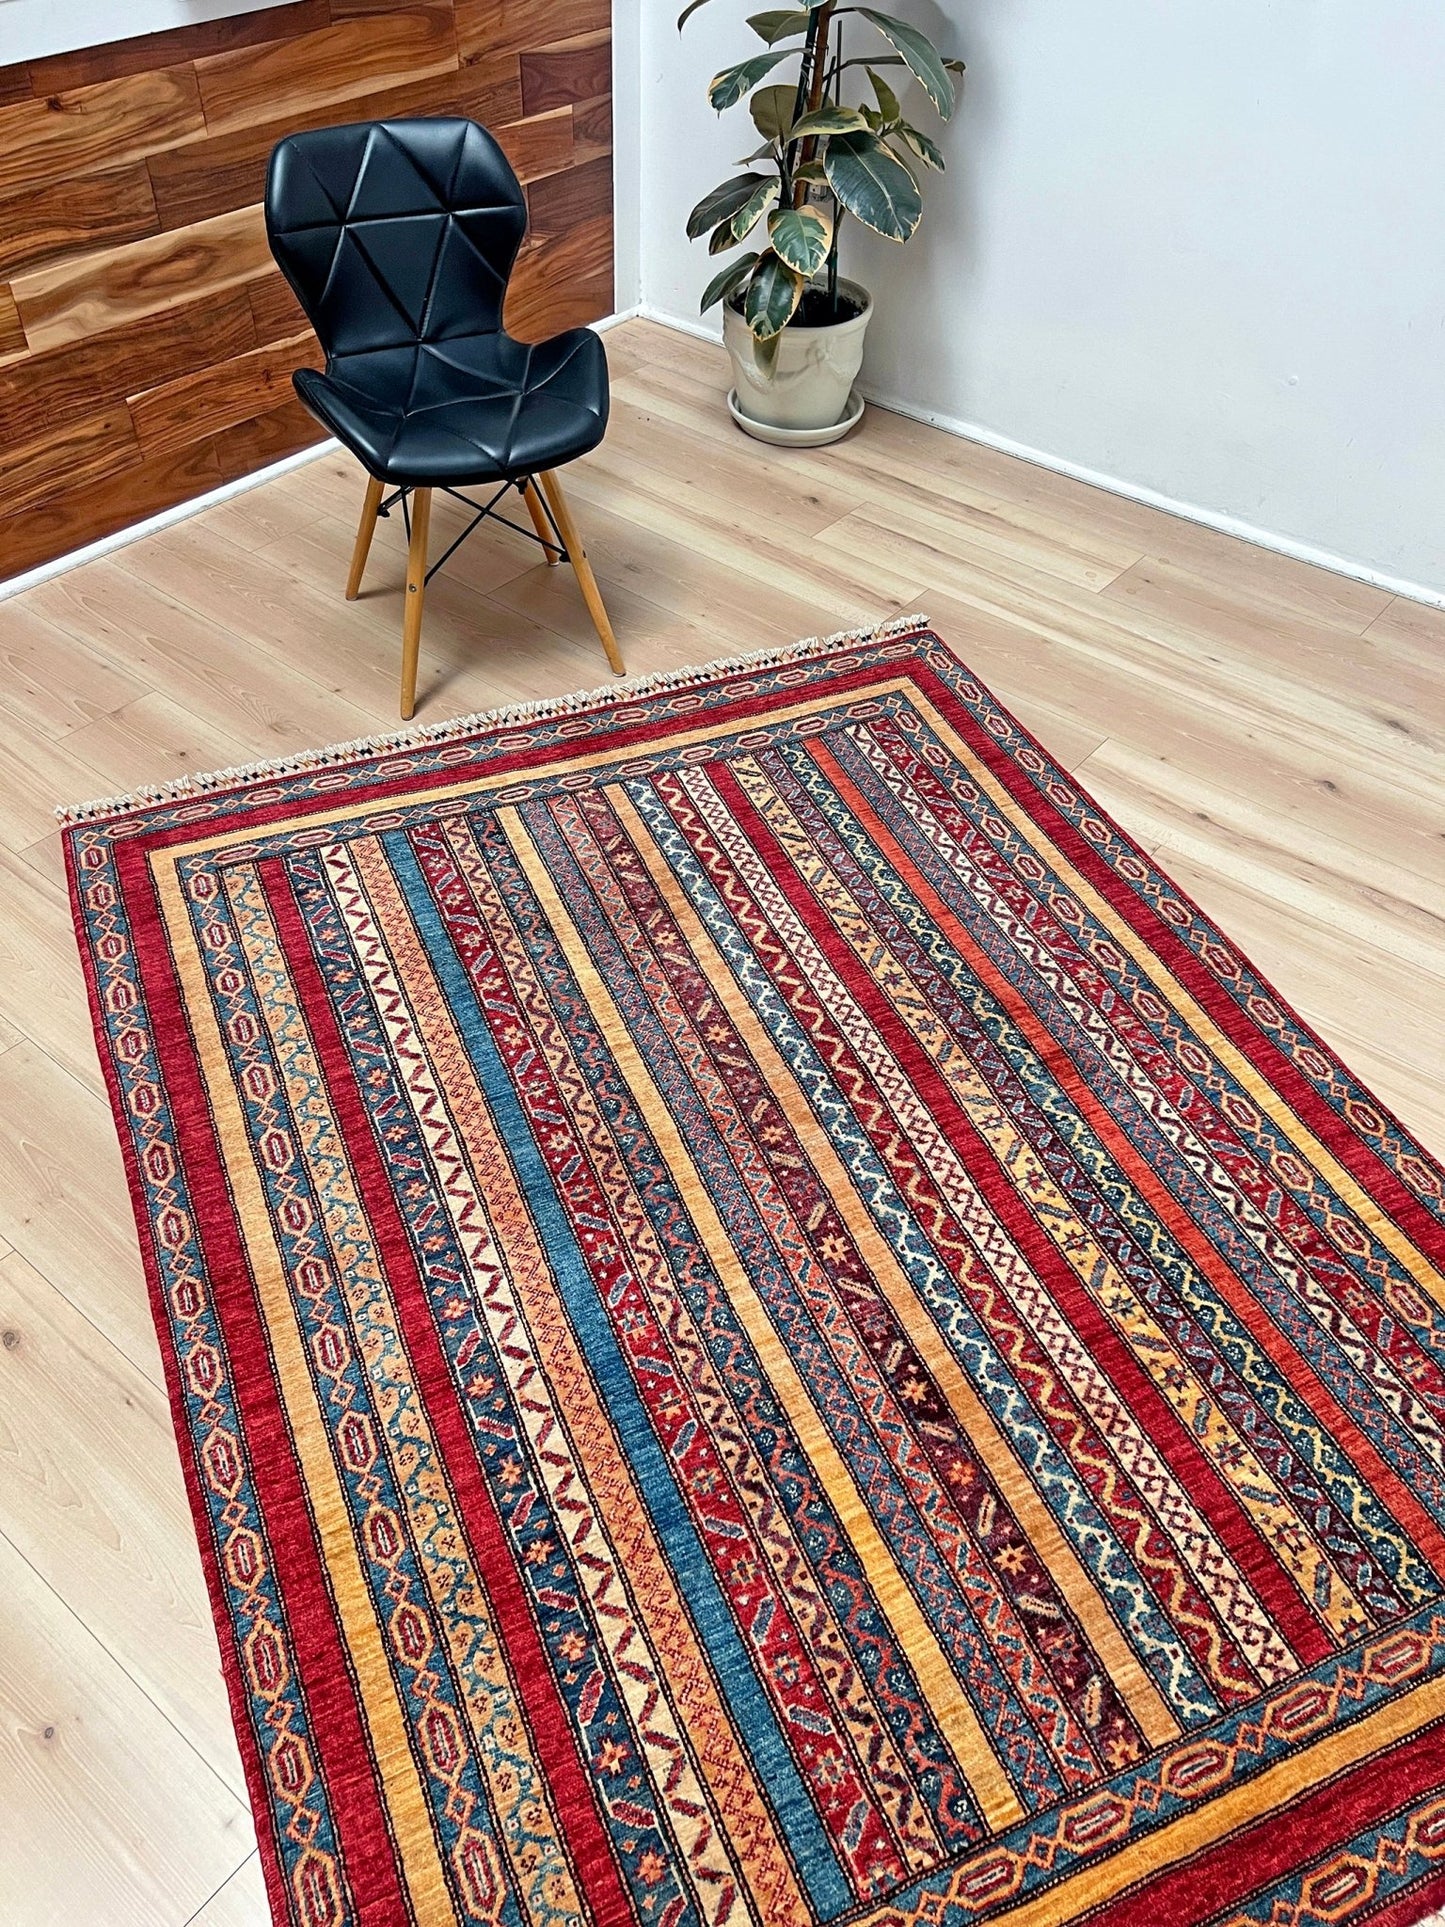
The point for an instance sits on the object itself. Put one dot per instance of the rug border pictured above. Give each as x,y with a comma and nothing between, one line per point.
240,776
253,1765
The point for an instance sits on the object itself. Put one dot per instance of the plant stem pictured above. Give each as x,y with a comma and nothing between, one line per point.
837,204
815,69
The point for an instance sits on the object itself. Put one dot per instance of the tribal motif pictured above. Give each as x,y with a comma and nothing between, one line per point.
767,1327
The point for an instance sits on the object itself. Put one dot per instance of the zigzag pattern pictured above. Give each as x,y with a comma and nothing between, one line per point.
1219,1156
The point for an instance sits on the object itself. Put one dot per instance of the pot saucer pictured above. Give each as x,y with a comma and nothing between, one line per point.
798,437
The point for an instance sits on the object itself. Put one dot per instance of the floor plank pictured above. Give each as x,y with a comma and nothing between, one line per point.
92,1498
37,952
111,1820
63,1198
240,1903
1276,732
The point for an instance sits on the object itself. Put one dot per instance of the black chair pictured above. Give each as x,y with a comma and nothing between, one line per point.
398,238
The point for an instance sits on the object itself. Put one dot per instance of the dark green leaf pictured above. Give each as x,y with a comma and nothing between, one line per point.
688,11
921,56
773,293
801,236
765,351
752,211
722,203
812,173
874,185
887,99
772,111
927,150
828,120
778,25
727,88
732,276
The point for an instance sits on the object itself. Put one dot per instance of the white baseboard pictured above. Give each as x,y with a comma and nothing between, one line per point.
197,504
1133,491
682,324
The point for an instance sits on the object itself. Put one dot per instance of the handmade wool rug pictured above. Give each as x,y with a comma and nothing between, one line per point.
767,1325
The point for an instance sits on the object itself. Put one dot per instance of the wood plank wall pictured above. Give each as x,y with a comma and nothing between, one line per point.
146,338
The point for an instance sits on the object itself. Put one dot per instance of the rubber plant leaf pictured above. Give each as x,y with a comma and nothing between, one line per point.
920,55
828,120
778,24
887,100
753,210
727,88
773,293
722,203
772,111
874,185
801,237
731,277
928,151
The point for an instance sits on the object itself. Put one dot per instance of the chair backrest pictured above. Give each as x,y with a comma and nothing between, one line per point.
395,231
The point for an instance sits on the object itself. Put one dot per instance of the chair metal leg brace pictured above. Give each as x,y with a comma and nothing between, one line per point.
552,529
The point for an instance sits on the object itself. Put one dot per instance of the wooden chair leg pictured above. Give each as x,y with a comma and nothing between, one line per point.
365,530
540,522
415,596
577,555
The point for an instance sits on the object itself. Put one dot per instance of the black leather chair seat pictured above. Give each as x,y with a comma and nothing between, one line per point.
469,409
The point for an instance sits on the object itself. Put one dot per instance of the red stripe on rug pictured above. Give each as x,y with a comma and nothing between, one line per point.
1412,1908
343,1756
1283,1841
477,1519
1307,1638
1365,1165
1297,1370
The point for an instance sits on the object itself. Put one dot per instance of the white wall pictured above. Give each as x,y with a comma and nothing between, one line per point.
1197,249
30,29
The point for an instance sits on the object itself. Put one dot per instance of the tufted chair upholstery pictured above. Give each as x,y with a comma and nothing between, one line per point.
398,238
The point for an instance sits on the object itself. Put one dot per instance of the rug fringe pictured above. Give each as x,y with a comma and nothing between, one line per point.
202,783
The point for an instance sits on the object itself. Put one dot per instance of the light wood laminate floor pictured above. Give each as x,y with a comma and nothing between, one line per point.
1276,734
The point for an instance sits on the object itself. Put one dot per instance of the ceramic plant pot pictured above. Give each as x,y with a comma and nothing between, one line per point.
810,387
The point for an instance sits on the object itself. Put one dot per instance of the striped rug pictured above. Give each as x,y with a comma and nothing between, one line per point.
766,1325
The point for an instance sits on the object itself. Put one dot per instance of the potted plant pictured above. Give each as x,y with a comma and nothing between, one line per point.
793,328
